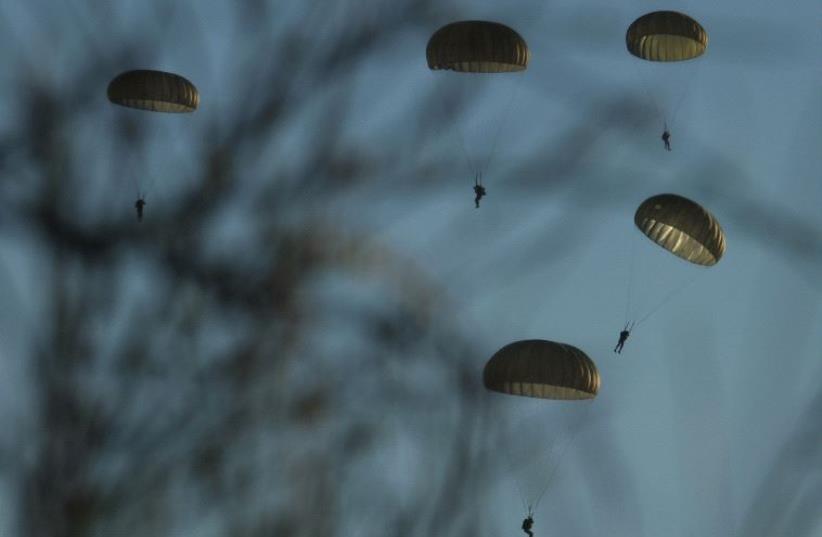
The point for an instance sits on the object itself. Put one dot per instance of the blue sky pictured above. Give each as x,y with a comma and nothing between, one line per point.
711,385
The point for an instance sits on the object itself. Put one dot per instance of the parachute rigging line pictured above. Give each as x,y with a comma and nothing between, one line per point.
445,111
659,113
668,117
671,294
505,113
471,166
131,164
529,504
561,452
512,471
684,92
631,264
477,47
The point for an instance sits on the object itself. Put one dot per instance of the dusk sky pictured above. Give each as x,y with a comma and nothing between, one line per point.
707,424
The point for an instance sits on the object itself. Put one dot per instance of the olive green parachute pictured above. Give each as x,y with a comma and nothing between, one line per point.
156,91
477,47
666,36
682,227
543,369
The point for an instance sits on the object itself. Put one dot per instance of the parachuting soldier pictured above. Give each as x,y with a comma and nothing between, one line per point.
623,336
153,91
666,36
528,368
139,205
527,524
479,190
477,47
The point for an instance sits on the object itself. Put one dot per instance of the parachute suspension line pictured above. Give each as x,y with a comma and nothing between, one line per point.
525,505
141,188
676,108
444,111
631,264
671,294
131,171
148,182
505,113
646,87
511,470
476,46
685,91
469,161
560,453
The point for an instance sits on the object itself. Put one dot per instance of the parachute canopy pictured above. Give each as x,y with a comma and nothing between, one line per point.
543,369
666,36
153,90
682,227
477,47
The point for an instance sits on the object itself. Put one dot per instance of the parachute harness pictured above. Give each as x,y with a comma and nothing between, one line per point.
528,523
479,190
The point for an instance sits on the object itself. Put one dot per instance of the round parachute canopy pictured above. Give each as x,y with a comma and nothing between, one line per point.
682,227
477,47
543,369
666,36
153,90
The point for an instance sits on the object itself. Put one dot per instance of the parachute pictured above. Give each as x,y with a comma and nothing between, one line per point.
666,36
682,227
535,432
543,369
156,91
477,47
666,39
